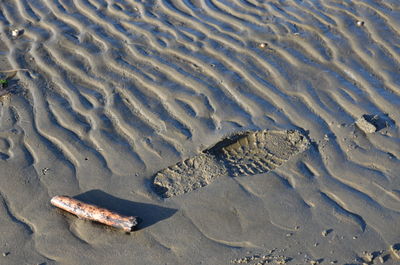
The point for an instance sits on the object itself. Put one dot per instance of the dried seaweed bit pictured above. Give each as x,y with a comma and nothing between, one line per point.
4,87
10,75
3,83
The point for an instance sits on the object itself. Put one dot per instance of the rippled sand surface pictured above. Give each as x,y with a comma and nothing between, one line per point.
118,90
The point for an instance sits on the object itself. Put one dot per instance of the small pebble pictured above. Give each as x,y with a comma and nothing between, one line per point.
15,32
6,254
365,126
263,45
368,257
360,23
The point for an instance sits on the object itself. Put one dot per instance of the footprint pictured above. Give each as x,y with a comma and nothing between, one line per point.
245,153
188,175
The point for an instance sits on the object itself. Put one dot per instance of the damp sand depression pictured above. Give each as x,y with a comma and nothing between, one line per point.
118,92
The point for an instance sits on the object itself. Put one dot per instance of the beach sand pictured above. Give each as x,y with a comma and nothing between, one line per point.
117,93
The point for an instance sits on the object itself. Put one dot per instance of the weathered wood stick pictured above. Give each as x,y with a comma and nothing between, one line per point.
95,213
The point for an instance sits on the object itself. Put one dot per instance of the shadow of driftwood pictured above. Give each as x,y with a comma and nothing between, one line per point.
149,214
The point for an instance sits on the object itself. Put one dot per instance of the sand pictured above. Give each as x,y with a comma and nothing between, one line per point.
118,91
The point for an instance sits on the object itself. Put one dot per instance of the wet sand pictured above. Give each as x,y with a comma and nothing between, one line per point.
118,91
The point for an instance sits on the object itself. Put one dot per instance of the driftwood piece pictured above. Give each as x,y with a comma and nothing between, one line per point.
95,213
